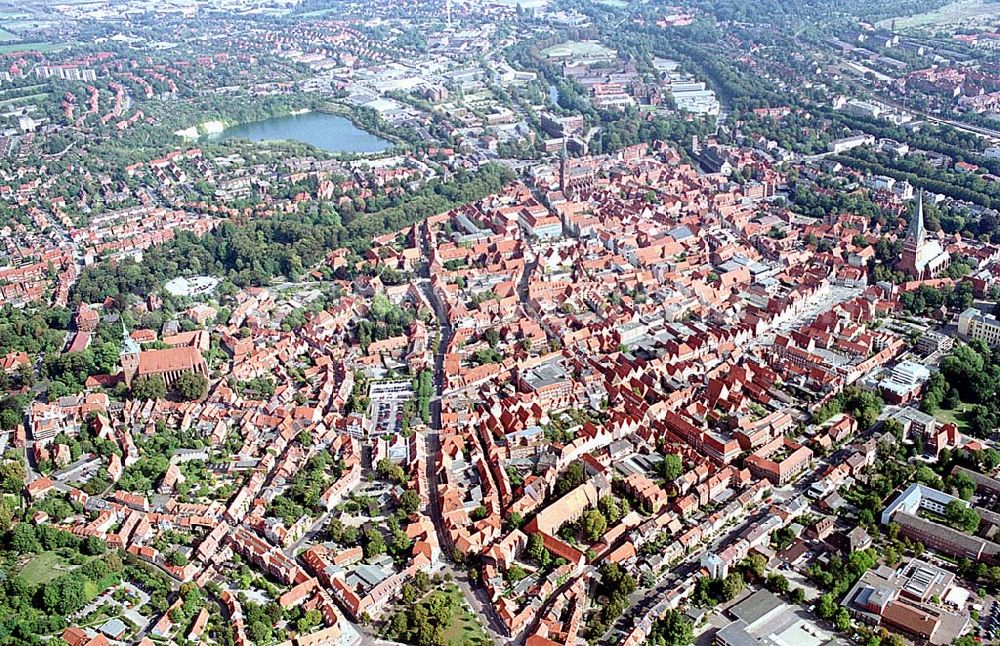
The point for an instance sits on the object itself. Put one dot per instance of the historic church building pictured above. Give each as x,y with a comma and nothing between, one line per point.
170,363
922,259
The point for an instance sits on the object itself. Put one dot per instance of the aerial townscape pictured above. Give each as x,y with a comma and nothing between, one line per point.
530,322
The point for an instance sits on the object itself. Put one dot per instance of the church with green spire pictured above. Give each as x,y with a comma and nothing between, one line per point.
923,258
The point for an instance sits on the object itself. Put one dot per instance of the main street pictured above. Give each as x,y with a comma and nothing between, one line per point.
476,597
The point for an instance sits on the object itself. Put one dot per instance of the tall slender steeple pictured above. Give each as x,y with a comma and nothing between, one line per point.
917,233
922,258
128,355
562,166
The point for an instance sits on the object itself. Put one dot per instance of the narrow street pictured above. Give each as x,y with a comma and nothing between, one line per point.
310,534
476,597
643,600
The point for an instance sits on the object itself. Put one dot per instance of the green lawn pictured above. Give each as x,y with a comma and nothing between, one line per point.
24,100
319,12
43,568
20,91
954,13
953,416
43,47
465,629
577,49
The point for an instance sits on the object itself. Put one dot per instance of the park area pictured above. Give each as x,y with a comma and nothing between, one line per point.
464,629
579,50
41,47
434,612
961,12
44,568
954,416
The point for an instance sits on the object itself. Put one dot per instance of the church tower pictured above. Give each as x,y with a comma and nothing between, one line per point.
916,233
922,258
128,355
562,167
910,263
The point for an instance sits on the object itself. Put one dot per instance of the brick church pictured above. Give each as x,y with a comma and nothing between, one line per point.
922,259
170,363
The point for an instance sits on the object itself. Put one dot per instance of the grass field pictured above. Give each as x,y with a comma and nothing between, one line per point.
578,49
465,629
527,4
6,36
954,13
23,100
43,568
43,47
21,91
953,416
319,12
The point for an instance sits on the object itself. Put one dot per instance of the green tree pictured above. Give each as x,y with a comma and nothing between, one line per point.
372,542
535,547
672,629
24,540
777,583
962,516
593,524
515,573
842,620
671,467
732,586
12,476
826,606
962,484
260,632
191,386
177,558
389,470
754,566
94,546
308,621
148,387
409,501
571,477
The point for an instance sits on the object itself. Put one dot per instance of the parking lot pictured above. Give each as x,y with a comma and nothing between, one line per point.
386,407
989,620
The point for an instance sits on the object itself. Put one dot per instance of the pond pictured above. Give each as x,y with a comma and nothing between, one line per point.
326,131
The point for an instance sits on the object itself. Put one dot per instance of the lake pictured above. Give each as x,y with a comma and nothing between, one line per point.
327,131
